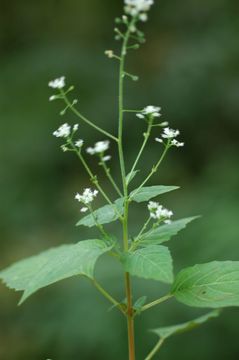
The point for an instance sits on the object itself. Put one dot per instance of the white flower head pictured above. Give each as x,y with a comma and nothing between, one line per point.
79,143
58,83
63,131
158,212
136,7
149,110
170,133
87,197
100,147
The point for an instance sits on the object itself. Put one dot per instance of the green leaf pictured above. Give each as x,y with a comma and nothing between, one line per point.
153,262
212,285
148,192
104,215
36,272
164,232
167,331
130,176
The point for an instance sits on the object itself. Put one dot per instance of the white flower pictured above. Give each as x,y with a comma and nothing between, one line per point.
109,53
135,7
106,158
64,148
84,209
75,127
143,17
158,212
175,142
79,143
87,197
100,147
63,131
57,83
149,110
170,133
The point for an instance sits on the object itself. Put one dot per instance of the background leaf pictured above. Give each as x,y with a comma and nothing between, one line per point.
56,264
153,262
167,331
213,285
148,192
164,232
104,215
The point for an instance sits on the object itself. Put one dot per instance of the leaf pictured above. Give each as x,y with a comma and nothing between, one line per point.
212,285
148,192
164,232
153,262
130,176
36,272
167,331
104,215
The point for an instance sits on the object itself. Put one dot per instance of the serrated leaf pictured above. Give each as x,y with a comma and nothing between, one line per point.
212,285
167,331
148,192
153,262
104,215
36,272
164,232
130,176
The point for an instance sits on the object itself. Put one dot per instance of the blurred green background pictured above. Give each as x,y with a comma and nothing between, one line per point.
190,67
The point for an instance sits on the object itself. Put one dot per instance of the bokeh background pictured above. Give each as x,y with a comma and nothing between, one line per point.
190,67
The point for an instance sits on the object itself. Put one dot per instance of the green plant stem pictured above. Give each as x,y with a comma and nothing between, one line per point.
155,349
108,296
144,227
153,171
146,137
129,312
99,226
93,178
83,118
156,302
109,176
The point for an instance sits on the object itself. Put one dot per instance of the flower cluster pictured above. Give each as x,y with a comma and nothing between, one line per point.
86,198
64,131
138,7
99,148
170,134
158,212
57,83
150,110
